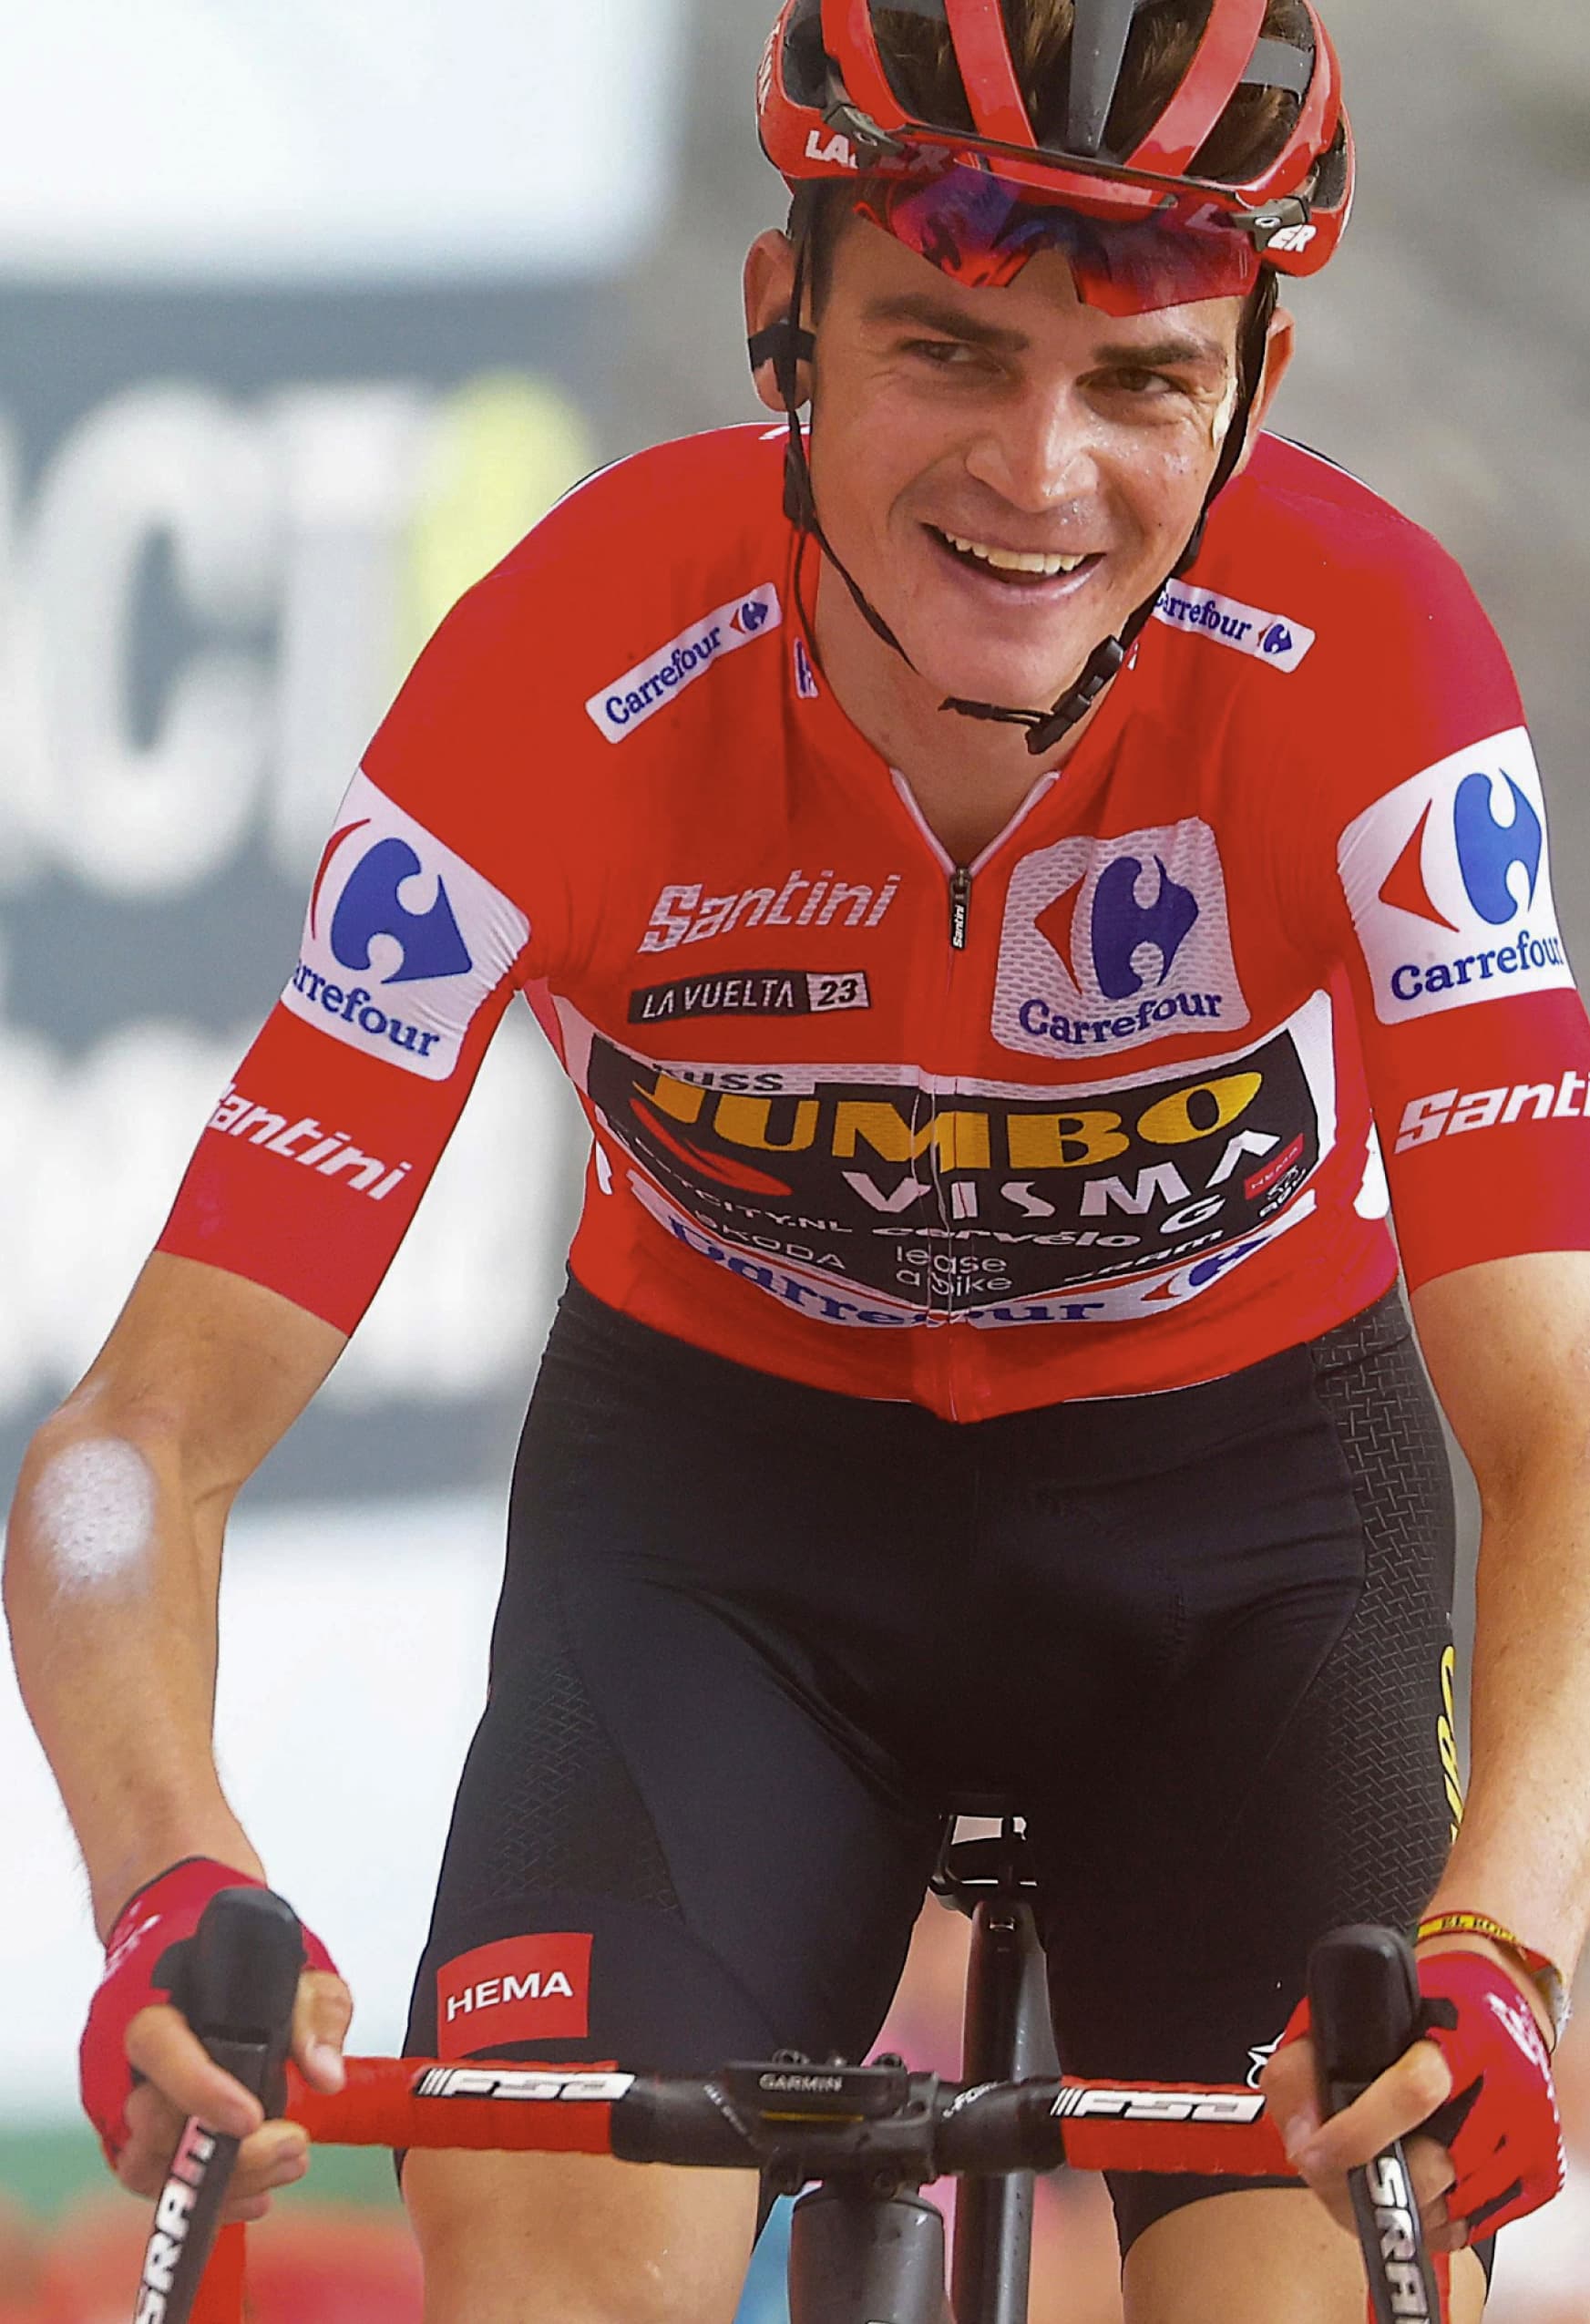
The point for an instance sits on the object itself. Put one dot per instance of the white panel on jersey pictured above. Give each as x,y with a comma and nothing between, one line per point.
402,939
1109,943
1448,880
292,140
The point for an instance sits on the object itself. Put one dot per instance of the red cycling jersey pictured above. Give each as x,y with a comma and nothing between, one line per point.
1095,1116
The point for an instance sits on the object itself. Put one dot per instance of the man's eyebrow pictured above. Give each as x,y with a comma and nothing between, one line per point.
933,314
1164,354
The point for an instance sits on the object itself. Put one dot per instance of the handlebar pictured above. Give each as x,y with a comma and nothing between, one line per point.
798,2121
793,2120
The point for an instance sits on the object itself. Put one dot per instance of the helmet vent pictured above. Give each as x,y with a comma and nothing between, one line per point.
1098,52
1278,65
919,56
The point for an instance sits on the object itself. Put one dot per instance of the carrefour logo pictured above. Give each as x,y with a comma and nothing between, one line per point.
1448,881
1274,638
402,939
1122,925
1490,852
1108,943
627,702
371,906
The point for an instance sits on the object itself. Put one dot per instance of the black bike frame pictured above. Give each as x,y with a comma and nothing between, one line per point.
873,2252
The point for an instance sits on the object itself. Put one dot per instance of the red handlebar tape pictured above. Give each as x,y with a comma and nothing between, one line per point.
515,2108
1216,2131
419,2102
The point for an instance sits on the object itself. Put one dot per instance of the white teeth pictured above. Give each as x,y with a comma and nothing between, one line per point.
1015,561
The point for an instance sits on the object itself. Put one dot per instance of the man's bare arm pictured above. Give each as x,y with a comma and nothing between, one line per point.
1508,1346
114,1558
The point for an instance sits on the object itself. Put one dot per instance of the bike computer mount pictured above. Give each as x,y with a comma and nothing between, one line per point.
989,1867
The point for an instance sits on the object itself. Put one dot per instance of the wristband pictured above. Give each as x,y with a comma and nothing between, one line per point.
1540,1967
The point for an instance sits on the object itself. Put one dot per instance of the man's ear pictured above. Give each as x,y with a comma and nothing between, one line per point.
1279,348
769,287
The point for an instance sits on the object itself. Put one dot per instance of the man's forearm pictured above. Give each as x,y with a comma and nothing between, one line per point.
1522,1853
110,1591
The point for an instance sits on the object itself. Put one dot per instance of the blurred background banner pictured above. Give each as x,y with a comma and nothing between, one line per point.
308,310
307,313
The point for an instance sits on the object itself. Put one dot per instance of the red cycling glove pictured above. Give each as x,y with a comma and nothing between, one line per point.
1499,2126
138,1973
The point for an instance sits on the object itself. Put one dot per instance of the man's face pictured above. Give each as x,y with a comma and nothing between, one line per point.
958,431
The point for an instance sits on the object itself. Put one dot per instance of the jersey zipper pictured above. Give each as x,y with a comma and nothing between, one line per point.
956,1198
960,906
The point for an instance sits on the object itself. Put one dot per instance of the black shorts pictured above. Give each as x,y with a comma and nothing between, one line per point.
754,1637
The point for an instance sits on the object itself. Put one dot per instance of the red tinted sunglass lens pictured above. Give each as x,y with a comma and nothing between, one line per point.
965,222
1140,269
978,230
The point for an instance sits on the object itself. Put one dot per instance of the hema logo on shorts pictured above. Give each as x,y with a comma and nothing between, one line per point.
1267,637
1108,943
1448,880
619,708
402,939
522,1989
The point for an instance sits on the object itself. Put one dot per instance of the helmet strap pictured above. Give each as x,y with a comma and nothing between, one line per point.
787,345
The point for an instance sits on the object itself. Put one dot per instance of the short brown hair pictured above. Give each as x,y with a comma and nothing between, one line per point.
1249,134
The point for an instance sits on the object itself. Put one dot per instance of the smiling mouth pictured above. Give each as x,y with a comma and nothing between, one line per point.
1015,568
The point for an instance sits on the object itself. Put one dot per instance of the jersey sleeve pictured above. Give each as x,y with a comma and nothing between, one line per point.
1437,862
313,1162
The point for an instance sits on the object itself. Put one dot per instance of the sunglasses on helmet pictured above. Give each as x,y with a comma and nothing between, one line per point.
981,230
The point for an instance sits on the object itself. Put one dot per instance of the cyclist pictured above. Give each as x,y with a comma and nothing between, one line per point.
987,867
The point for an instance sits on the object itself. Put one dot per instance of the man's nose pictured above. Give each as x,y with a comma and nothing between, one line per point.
1037,450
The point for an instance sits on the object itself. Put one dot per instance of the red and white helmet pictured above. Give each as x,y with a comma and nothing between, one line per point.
834,103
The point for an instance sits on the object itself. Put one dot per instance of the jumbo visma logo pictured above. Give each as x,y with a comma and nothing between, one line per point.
860,1195
1447,877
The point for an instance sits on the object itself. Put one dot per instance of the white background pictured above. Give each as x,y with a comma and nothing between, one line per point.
269,138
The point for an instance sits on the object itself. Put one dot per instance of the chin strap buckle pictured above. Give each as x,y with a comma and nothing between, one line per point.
1104,667
1047,727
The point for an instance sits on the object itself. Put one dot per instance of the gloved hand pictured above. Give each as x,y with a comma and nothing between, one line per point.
143,2072
1496,2117
1499,2126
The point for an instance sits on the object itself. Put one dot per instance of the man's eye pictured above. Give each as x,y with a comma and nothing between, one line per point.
1139,382
944,352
